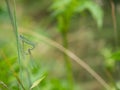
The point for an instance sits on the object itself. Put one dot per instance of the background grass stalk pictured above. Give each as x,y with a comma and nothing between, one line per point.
67,62
63,26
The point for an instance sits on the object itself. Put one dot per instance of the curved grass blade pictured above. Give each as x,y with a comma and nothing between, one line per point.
71,55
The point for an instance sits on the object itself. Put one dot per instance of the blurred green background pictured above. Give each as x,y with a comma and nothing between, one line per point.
90,33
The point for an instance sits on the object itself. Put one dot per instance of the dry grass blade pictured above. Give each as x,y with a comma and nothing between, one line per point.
19,81
114,22
71,55
4,85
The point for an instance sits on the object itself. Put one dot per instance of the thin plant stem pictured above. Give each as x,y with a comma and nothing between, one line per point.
114,22
15,29
63,25
115,31
109,74
68,64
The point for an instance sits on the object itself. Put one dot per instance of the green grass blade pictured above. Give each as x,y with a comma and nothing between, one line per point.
15,29
37,82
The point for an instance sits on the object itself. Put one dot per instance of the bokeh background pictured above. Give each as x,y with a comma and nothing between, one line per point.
91,36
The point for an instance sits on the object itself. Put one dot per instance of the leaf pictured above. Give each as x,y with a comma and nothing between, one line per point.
97,13
116,56
109,62
36,83
94,9
59,6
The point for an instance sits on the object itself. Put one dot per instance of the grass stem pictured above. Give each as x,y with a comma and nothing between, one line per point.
67,62
15,29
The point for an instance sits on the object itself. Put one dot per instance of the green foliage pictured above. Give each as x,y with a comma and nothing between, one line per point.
109,62
3,13
65,9
116,56
111,58
4,71
94,9
3,86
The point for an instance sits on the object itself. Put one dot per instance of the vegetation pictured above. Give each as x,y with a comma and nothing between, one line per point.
30,60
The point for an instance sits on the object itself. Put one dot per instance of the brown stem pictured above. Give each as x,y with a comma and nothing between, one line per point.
114,22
